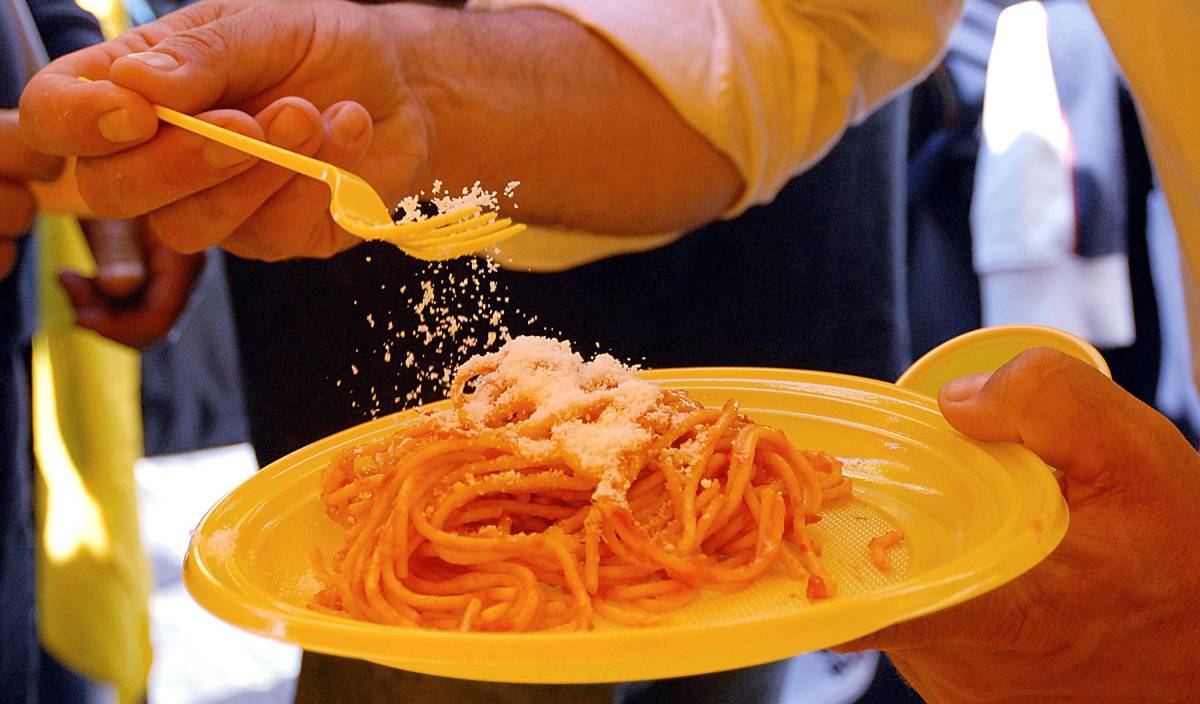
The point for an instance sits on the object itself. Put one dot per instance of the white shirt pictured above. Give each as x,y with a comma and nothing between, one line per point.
770,83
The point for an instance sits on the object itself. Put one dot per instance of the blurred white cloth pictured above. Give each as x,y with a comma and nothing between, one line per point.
1026,214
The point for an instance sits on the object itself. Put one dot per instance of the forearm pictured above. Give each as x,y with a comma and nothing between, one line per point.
531,95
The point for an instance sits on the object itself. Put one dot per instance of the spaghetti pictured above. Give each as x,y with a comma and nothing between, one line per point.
878,546
554,490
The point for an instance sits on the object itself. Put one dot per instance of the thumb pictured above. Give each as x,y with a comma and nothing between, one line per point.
210,53
1106,442
223,60
1068,413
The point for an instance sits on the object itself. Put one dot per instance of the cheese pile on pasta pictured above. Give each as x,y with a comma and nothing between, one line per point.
554,490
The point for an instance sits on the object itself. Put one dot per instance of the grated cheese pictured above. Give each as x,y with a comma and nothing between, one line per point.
597,416
220,545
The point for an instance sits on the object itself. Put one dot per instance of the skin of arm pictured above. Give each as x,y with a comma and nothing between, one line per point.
582,154
523,95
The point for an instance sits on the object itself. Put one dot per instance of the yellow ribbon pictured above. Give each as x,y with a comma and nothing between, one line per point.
93,582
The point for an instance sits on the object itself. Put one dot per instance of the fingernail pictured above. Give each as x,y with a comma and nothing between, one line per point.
964,387
155,60
117,126
220,156
289,129
348,124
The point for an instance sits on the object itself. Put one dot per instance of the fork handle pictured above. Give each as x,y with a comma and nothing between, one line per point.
267,152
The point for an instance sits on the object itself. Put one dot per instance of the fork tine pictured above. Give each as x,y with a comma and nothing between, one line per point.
464,247
451,234
420,226
432,234
495,237
399,233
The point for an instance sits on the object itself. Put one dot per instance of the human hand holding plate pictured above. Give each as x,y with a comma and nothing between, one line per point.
1110,615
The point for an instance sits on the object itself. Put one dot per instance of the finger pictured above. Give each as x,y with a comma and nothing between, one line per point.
295,221
65,116
18,161
224,61
174,165
1067,412
986,615
120,262
62,115
212,215
82,293
17,208
173,276
145,320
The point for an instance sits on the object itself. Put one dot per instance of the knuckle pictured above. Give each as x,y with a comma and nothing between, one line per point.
239,250
178,236
222,214
323,241
273,252
198,41
1030,375
254,243
1039,362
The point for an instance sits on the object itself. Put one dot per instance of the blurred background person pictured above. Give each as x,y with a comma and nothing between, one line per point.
1038,212
63,27
87,433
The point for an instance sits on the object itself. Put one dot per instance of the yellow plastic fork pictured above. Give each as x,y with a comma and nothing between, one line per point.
358,209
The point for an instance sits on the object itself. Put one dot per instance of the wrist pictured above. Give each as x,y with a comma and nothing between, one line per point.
381,75
418,39
534,96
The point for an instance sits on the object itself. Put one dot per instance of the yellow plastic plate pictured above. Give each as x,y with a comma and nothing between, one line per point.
975,516
986,349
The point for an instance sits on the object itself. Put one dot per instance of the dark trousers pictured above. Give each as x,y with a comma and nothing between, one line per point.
18,635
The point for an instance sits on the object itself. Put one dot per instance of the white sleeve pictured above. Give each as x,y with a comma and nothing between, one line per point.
771,83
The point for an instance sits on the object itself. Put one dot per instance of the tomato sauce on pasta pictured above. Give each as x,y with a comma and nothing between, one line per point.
554,490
